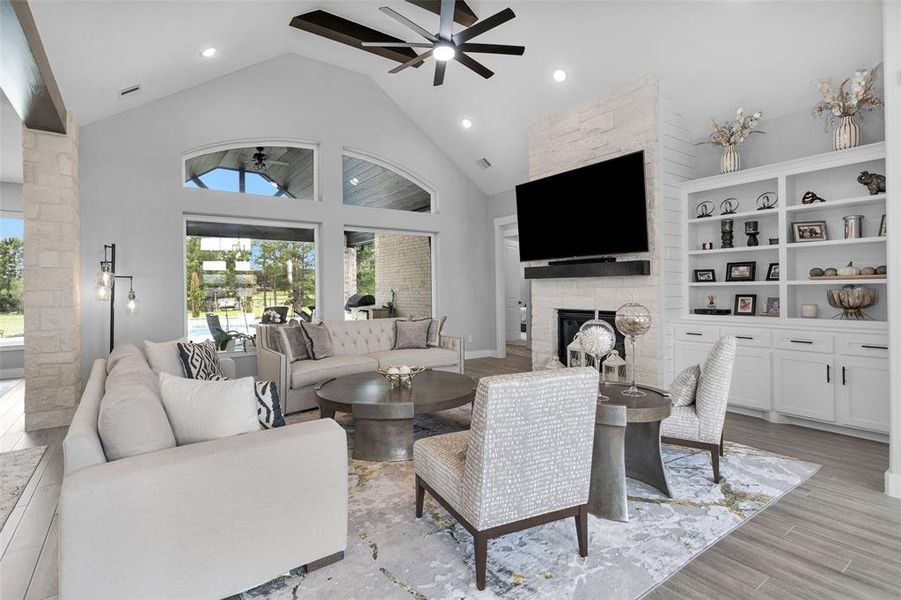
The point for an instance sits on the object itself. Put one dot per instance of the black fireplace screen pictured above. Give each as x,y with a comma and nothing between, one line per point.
569,322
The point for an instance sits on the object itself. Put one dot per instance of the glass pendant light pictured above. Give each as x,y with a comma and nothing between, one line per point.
131,307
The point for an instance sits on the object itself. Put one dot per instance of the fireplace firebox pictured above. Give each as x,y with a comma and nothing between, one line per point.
569,322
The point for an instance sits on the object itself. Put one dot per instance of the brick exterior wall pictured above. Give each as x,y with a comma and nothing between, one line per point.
51,279
350,272
619,122
404,263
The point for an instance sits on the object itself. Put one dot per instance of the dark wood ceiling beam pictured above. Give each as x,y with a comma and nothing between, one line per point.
462,13
25,74
352,34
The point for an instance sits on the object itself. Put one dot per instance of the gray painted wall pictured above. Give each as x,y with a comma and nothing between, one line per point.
11,196
132,193
502,204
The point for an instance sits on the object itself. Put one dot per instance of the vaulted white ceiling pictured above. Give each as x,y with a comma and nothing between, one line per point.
711,58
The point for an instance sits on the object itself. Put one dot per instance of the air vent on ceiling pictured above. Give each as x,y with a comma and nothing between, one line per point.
483,162
131,90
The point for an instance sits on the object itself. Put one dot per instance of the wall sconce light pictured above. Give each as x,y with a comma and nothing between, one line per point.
105,289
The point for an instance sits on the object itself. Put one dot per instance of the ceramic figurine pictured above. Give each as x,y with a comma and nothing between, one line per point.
811,197
874,182
711,301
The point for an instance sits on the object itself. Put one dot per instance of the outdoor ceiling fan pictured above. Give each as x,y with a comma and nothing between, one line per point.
443,46
259,161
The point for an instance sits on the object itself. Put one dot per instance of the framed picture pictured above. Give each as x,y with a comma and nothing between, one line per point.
705,275
741,271
745,304
772,272
772,307
882,227
810,231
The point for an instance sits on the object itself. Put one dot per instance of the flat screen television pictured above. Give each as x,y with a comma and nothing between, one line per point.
594,210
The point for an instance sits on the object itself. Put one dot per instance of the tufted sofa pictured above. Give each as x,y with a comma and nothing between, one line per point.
358,347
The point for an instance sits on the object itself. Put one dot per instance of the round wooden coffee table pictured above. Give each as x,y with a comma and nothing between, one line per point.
383,416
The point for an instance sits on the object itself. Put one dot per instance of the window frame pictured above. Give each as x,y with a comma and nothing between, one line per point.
244,221
250,143
396,168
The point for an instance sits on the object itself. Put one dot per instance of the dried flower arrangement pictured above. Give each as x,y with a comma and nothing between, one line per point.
847,103
735,132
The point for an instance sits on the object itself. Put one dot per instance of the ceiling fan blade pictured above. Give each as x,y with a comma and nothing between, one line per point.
412,63
492,49
408,23
396,45
446,26
473,65
483,26
347,32
462,13
440,67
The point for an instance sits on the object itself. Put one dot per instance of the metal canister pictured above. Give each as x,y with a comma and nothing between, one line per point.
853,226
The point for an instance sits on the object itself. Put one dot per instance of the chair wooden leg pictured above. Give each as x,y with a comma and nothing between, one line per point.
722,447
481,544
715,463
582,530
420,496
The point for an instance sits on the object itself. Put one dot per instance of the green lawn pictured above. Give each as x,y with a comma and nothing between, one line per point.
12,325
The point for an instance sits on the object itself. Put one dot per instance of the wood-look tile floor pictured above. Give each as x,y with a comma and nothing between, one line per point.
836,536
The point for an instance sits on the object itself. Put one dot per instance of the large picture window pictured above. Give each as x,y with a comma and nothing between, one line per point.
12,317
237,272
281,171
368,182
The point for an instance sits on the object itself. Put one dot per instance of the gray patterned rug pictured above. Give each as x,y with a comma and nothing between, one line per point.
16,468
391,554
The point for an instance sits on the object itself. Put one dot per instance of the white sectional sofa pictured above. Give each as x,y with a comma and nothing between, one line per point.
205,520
359,347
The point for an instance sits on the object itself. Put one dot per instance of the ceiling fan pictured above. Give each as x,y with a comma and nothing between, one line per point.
259,161
443,46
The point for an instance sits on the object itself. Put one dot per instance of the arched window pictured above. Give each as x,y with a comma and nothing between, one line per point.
281,171
368,181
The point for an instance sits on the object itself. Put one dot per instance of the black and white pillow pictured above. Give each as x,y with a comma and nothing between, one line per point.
200,361
269,411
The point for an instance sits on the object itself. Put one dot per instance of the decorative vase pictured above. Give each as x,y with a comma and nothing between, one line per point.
846,135
633,320
731,161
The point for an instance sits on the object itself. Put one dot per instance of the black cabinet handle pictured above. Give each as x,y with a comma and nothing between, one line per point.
800,341
874,347
693,333
828,373
744,337
844,377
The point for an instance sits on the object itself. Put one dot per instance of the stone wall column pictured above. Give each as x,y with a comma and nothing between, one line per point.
51,279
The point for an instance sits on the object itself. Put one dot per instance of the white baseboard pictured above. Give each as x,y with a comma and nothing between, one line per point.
893,484
470,354
12,373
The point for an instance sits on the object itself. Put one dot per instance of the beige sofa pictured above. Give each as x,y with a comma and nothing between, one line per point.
205,520
359,347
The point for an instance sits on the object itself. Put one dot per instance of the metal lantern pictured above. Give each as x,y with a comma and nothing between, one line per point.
575,354
616,370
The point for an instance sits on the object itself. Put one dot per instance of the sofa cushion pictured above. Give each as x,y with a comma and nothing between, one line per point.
361,337
290,341
431,357
200,361
119,352
200,410
319,340
412,333
131,419
309,372
163,357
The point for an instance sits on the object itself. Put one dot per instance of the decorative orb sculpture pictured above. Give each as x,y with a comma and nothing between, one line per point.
597,337
633,320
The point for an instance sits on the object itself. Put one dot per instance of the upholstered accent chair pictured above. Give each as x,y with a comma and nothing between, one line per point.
526,460
700,424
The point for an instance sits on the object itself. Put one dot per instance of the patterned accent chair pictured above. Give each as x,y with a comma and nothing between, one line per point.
526,460
700,424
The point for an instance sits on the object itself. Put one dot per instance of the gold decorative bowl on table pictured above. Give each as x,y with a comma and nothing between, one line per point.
400,375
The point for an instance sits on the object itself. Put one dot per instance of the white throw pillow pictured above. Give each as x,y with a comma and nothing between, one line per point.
685,386
201,410
163,357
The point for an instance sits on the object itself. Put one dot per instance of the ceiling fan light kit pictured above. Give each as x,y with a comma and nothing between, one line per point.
443,46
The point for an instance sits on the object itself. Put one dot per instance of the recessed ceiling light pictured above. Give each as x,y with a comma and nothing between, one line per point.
560,75
466,123
208,53
354,181
444,52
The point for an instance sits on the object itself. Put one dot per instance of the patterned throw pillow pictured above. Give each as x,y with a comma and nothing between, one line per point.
411,333
435,328
269,411
200,361
685,386
292,342
319,340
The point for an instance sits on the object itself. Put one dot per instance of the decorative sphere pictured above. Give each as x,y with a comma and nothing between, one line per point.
393,371
597,337
633,319
405,370
816,272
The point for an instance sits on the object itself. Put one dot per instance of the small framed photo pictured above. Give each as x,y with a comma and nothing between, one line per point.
745,304
882,227
772,272
810,231
705,275
741,271
772,307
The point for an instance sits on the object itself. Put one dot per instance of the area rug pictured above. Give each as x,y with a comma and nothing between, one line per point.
391,554
16,469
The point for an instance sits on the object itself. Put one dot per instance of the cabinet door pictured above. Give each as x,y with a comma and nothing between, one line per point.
752,379
686,354
862,399
805,384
